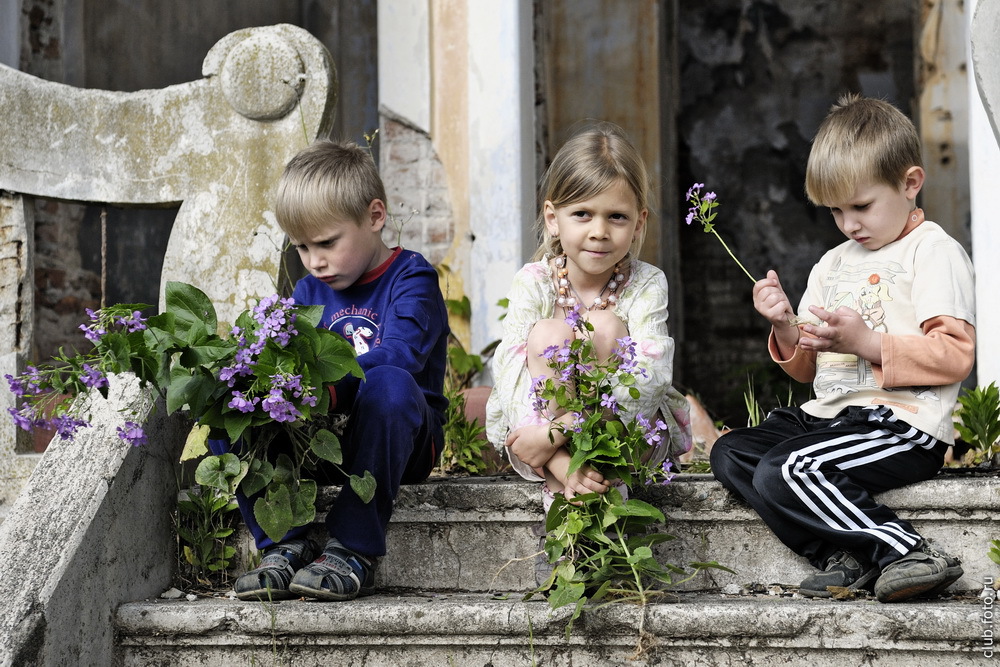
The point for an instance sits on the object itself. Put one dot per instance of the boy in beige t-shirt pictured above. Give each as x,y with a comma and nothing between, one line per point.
889,336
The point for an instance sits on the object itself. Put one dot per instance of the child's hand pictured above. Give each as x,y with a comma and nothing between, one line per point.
771,301
845,332
583,480
531,444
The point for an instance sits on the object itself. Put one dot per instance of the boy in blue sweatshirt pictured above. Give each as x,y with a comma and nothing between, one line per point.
388,303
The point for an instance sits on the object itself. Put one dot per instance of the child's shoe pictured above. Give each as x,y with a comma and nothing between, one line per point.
842,570
270,580
924,571
338,574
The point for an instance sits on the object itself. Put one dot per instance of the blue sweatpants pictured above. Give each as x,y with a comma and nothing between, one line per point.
812,480
392,433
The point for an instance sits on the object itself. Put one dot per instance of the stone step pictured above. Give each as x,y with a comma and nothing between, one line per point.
476,629
479,534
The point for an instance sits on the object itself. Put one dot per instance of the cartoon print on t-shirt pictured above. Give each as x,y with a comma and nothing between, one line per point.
359,337
847,373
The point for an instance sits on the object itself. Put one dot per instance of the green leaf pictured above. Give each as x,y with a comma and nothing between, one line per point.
639,508
274,512
364,487
304,503
284,470
216,471
566,593
326,445
335,358
190,307
196,444
259,475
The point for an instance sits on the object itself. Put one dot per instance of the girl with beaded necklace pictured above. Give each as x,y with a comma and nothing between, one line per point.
591,225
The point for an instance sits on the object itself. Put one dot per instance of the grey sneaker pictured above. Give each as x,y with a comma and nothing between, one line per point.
842,570
924,571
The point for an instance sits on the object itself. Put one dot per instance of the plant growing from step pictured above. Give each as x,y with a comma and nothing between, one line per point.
206,518
267,379
977,420
465,447
601,545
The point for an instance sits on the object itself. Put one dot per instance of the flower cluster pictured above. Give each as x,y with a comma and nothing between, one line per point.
600,545
703,210
43,392
268,377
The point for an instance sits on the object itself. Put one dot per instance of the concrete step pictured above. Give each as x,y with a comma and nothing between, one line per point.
478,534
475,629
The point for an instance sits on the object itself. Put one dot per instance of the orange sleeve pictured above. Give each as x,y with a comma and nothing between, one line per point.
800,367
943,355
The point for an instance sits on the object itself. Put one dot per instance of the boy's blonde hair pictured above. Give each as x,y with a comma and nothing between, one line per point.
586,165
324,183
862,140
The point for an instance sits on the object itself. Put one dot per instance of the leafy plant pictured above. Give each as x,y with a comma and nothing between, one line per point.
601,545
978,419
464,445
266,380
206,517
994,552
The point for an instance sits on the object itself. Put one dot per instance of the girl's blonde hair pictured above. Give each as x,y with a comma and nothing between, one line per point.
324,183
587,165
861,141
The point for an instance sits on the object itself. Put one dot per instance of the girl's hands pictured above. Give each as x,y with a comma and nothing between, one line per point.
531,444
584,480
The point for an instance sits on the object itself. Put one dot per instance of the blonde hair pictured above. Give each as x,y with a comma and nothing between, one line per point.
862,140
587,165
323,183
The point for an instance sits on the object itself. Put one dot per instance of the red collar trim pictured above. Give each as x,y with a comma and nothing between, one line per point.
377,272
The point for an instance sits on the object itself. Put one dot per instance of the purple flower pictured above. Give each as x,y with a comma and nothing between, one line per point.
279,408
241,403
578,421
667,470
94,330
93,377
67,425
573,317
609,402
25,418
549,352
28,384
132,433
135,322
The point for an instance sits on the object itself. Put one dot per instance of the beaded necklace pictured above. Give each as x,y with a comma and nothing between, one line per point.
568,296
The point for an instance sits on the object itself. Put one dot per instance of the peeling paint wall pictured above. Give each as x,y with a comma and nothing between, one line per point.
757,77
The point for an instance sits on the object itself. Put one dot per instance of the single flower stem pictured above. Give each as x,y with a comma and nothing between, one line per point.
752,279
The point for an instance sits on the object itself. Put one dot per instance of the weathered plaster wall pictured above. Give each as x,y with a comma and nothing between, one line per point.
123,45
757,77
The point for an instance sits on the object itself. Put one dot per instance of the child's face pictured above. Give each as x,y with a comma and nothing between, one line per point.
596,233
345,250
877,214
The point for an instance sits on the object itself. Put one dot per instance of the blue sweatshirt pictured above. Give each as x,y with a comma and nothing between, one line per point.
394,315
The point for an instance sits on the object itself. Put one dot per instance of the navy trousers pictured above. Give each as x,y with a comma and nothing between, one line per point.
392,433
812,480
